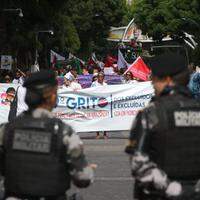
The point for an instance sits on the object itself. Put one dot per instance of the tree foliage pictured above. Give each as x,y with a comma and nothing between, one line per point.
78,25
159,18
93,20
163,17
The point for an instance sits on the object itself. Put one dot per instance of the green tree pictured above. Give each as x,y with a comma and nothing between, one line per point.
79,26
93,19
19,33
159,18
163,17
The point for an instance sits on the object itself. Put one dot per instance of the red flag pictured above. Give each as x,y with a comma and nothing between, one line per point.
139,69
91,62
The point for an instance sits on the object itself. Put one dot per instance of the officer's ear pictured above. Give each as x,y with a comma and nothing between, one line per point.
47,92
169,81
32,99
50,95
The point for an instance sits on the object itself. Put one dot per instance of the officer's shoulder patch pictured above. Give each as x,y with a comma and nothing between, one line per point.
190,118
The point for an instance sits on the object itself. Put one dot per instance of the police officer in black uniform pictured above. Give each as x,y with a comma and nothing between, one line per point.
164,140
40,155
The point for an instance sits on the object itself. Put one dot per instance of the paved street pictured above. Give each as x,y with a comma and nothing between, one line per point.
113,180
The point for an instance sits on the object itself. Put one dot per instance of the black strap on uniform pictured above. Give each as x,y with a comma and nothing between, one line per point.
144,122
13,107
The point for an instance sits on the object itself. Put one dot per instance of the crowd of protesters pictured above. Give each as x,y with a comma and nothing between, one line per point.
69,75
69,72
74,67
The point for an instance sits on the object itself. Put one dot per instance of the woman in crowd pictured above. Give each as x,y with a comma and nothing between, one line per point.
72,84
128,78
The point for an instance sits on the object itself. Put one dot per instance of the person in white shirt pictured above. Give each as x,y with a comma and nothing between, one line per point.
21,91
72,84
75,85
21,105
100,80
19,77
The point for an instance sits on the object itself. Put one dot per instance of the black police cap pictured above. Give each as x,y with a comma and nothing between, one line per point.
168,61
41,79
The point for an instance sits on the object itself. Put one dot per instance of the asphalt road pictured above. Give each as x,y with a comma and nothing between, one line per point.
112,180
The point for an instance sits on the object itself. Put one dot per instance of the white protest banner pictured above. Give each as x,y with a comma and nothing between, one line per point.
5,101
6,62
108,108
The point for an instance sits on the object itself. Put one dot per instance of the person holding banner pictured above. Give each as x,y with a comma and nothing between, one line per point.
129,78
162,138
21,104
100,82
72,84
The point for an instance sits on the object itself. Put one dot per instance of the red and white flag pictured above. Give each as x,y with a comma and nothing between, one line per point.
93,60
139,69
55,57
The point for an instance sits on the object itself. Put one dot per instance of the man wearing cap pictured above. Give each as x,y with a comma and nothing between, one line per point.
164,142
39,154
